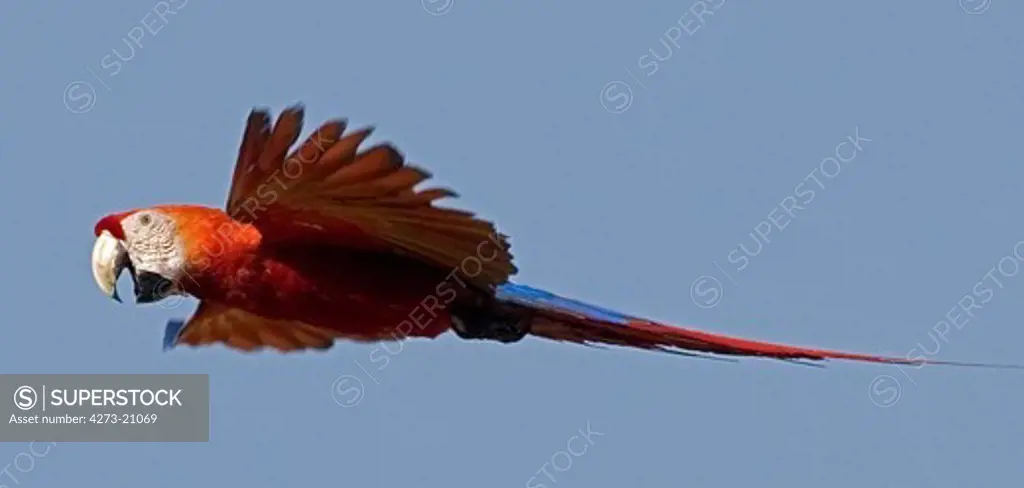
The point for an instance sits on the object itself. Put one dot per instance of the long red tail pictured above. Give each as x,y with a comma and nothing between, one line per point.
564,319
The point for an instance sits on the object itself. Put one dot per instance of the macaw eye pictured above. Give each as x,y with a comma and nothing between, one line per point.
145,220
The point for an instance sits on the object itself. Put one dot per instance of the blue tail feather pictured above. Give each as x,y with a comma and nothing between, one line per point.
537,298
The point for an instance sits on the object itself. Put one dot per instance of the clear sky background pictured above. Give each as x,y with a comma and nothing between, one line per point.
619,183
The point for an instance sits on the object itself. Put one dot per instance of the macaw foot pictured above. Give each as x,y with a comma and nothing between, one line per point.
491,323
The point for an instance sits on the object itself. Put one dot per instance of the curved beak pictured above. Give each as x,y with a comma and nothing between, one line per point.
109,259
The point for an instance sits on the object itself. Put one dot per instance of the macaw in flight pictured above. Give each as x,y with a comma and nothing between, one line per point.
329,242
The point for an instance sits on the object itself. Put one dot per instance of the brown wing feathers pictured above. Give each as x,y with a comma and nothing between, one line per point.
339,187
212,323
286,131
257,131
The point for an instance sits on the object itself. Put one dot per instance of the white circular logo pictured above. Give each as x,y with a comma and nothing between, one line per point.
79,97
616,97
347,396
885,391
437,7
706,291
25,397
975,7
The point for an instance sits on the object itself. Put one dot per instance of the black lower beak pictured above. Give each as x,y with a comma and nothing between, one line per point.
151,287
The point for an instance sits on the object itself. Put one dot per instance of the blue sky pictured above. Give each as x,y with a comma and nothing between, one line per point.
623,182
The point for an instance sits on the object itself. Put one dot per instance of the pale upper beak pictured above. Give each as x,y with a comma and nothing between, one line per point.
109,259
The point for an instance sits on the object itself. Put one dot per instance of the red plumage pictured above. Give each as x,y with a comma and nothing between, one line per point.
332,242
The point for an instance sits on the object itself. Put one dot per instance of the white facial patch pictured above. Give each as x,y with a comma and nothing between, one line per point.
154,245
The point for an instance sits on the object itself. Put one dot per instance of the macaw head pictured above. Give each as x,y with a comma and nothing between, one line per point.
149,243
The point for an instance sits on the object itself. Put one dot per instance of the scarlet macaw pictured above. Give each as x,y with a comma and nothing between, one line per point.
332,242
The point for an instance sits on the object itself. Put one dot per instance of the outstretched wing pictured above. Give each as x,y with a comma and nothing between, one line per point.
327,191
214,323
